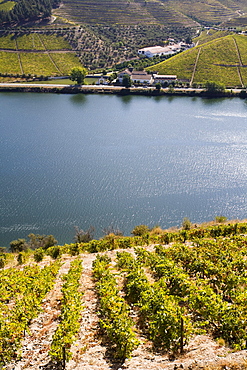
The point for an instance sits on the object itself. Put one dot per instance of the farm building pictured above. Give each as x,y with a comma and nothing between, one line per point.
141,77
152,51
164,78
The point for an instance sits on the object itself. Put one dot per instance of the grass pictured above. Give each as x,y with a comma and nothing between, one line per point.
65,81
61,81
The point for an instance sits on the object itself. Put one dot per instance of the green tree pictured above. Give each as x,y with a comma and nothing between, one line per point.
186,224
126,81
140,230
158,86
220,219
78,74
214,87
82,236
41,241
18,245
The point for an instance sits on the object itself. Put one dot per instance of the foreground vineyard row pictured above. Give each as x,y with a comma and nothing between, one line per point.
163,295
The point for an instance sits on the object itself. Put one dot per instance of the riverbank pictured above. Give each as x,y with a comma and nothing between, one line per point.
119,90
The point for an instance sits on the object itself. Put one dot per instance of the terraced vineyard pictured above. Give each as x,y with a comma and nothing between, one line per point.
166,299
170,13
222,60
36,54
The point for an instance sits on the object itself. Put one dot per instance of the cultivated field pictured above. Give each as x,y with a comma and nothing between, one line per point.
159,300
170,13
221,60
36,54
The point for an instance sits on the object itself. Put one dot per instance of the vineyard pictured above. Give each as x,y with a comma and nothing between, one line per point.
156,300
35,54
216,58
182,13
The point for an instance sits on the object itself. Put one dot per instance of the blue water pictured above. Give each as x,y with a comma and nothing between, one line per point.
81,160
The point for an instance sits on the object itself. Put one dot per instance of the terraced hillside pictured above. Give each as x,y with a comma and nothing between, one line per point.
6,5
160,300
222,60
36,54
187,13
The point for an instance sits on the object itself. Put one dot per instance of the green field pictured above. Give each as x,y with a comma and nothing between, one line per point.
210,35
37,61
218,61
29,42
7,5
177,295
65,61
39,64
52,42
8,41
9,63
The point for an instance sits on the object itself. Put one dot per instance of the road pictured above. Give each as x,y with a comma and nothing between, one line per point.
101,87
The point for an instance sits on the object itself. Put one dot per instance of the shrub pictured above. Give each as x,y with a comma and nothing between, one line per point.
140,230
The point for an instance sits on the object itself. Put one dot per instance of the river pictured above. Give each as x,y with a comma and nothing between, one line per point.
105,160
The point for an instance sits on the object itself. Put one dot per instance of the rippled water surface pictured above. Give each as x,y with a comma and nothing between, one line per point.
97,160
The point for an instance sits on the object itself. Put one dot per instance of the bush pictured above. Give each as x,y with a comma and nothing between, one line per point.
140,230
54,252
38,255
186,224
220,219
22,257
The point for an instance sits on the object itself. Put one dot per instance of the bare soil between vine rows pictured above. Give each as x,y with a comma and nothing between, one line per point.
91,350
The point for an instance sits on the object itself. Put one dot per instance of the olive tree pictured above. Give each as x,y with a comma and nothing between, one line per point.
78,74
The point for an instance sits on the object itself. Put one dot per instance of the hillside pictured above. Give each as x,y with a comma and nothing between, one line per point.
127,302
38,54
170,13
221,60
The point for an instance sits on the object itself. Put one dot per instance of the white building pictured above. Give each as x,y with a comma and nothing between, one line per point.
164,78
152,51
141,77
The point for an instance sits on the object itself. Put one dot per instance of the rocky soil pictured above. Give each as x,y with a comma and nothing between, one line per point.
90,351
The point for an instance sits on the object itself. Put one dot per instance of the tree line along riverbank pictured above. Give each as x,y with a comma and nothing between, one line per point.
85,89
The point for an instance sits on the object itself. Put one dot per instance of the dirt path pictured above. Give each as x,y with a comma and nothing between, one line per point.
195,66
88,350
52,61
240,62
37,342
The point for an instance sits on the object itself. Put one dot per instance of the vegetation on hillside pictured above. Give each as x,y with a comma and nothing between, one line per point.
192,281
35,54
221,60
170,13
24,10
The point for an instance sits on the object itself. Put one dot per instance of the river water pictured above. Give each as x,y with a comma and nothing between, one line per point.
103,160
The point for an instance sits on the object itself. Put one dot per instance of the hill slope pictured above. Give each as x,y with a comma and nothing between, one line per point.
222,60
180,13
36,54
197,275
